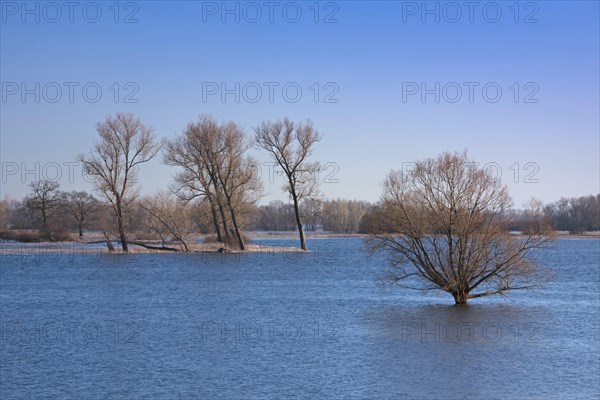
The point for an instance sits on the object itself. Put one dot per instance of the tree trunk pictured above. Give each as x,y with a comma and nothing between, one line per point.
45,225
236,228
460,297
299,221
80,230
44,220
108,243
121,225
224,221
215,219
147,246
123,237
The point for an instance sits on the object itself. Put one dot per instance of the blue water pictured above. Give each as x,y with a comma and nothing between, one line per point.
289,325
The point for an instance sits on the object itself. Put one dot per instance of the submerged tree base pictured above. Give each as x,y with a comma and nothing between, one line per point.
460,297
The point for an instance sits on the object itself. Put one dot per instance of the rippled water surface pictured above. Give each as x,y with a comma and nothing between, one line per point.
288,325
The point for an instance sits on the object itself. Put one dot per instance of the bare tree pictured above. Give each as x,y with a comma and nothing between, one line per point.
343,216
312,212
43,199
444,227
291,144
195,180
276,216
235,172
169,216
81,206
216,168
124,144
19,215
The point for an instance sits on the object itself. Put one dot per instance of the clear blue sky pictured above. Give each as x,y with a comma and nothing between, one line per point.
374,58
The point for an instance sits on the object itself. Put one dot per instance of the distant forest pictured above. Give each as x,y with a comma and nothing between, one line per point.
74,212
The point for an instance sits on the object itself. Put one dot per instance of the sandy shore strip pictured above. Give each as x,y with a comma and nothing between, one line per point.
94,247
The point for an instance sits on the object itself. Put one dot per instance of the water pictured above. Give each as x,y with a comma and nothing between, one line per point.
273,326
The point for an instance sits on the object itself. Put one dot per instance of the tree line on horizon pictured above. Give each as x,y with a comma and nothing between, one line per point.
78,212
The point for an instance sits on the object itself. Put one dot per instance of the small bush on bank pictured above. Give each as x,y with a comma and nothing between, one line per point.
25,236
34,236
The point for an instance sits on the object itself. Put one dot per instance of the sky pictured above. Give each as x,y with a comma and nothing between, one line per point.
516,84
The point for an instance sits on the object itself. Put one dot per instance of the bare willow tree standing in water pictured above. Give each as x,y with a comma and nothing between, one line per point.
291,144
124,144
444,226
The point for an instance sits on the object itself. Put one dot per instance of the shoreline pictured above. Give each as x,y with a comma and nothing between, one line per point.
16,248
97,246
